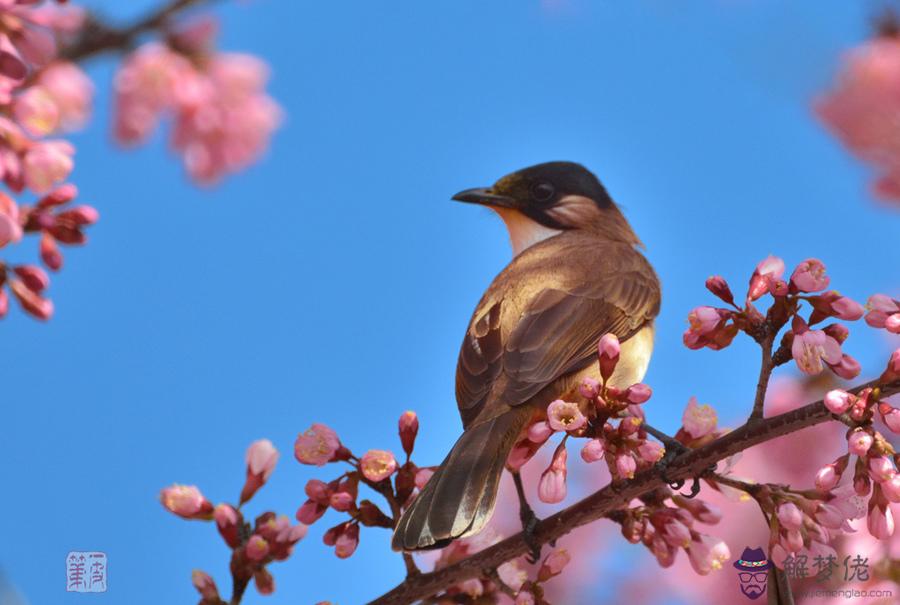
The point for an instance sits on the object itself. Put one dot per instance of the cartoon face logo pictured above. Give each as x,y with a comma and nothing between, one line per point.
753,572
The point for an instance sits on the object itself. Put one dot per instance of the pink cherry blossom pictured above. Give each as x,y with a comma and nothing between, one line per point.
847,368
565,416
346,543
589,388
71,91
317,445
47,163
827,477
36,112
676,533
552,486
809,276
651,451
525,598
186,501
377,465
880,520
891,418
699,420
10,229
813,347
881,468
554,564
882,308
638,393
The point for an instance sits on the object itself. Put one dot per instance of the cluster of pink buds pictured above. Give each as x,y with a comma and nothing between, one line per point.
57,225
804,521
812,349
512,574
883,312
665,530
609,417
270,538
320,445
223,119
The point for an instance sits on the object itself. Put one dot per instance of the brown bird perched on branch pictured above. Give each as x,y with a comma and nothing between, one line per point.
575,276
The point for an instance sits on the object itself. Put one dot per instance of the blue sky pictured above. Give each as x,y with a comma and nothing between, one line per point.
333,281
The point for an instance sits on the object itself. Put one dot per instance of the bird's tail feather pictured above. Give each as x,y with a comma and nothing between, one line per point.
459,498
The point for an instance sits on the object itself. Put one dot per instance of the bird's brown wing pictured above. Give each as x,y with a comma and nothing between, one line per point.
556,332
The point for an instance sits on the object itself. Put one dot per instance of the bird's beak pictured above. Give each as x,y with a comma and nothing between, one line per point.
485,197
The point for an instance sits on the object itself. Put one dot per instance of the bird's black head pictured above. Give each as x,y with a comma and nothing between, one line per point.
558,195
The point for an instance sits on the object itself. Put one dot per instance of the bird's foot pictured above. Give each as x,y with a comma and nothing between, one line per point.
529,525
674,449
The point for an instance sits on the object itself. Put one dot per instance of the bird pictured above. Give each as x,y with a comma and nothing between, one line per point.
576,274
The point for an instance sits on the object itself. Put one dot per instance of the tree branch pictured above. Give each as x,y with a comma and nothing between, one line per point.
617,495
97,36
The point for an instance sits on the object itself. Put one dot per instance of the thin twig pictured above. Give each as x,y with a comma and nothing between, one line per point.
98,36
616,495
765,371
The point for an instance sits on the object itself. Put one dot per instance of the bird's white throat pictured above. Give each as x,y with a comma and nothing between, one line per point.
524,232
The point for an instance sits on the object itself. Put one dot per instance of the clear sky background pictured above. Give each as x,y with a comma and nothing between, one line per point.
333,282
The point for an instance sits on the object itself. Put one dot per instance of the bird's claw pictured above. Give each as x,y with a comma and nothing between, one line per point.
529,525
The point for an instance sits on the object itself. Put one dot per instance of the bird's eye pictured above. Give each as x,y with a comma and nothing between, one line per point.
542,191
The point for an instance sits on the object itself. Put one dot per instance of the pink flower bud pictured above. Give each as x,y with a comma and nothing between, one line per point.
676,533
701,510
608,351
859,443
50,253
892,372
261,459
765,277
525,598
228,522
377,465
847,368
422,477
35,110
809,276
257,548
792,540
409,428
554,564
891,418
839,332
707,554
589,388
32,302
880,520
625,466
651,451
47,163
310,512
552,486
317,445
342,501
704,320
638,393
34,278
891,488
265,583
881,468
847,309
345,544
592,451
539,432
789,515
699,420
186,501
838,401
565,416
718,286
827,477
205,585
318,491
